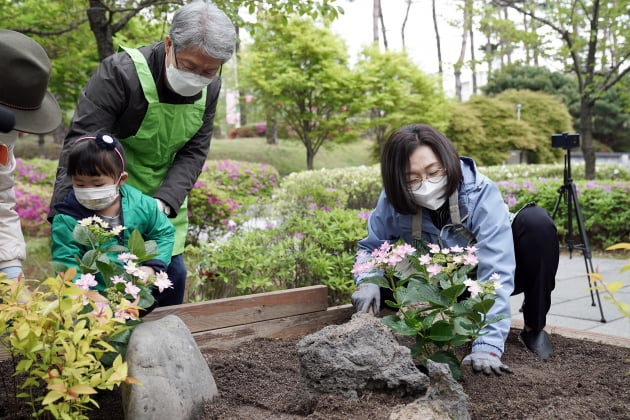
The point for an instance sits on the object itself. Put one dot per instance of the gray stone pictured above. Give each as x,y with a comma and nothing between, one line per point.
444,400
360,354
176,379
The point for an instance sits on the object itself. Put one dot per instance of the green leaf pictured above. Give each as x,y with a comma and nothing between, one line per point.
107,271
392,304
484,306
453,292
428,293
462,326
398,325
89,257
377,280
406,296
450,359
116,248
82,235
146,299
441,331
136,244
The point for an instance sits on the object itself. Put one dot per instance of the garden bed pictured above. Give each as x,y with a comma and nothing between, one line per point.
256,368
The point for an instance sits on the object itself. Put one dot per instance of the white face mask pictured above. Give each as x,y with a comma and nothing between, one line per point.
430,194
183,82
97,198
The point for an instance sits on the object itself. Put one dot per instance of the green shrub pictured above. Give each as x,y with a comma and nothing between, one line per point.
58,336
245,183
605,207
359,188
302,251
35,171
223,191
504,172
486,128
210,210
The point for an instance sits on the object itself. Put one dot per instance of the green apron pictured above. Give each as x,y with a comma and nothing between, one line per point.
164,130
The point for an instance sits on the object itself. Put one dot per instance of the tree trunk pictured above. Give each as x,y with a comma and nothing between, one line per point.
310,156
462,52
101,28
404,24
40,144
380,14
271,129
375,18
586,132
243,107
507,43
437,40
473,63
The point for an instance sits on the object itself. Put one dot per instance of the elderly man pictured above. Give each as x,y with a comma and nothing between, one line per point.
160,101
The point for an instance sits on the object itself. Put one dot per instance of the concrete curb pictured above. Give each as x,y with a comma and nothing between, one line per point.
581,334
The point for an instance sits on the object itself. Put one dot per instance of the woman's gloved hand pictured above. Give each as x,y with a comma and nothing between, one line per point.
485,362
366,295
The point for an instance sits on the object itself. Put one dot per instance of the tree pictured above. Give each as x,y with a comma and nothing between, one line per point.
398,93
594,37
610,119
300,73
437,38
75,54
487,128
457,67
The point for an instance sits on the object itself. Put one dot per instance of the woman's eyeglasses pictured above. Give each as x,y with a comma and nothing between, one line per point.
433,177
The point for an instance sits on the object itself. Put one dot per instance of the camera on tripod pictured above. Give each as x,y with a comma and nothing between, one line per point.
565,140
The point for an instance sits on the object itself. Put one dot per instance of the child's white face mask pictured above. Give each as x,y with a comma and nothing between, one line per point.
430,195
97,198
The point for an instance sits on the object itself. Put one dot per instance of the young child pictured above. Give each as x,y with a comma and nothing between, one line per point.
96,165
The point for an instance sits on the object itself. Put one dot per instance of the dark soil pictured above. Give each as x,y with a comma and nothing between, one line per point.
260,379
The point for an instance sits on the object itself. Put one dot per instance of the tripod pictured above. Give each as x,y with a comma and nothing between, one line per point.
569,193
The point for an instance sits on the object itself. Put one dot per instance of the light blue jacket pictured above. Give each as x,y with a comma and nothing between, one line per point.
483,214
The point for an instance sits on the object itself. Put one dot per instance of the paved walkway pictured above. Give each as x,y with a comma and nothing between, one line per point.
572,312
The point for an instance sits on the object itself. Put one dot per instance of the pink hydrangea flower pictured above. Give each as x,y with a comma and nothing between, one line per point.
471,259
86,281
434,248
162,282
473,287
433,269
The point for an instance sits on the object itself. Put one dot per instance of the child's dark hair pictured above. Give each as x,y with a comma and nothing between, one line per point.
96,156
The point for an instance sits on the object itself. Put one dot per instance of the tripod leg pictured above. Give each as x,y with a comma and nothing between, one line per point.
586,251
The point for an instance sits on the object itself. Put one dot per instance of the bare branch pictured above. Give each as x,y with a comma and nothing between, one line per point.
31,31
130,13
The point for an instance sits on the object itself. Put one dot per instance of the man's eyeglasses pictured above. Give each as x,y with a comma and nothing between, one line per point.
211,74
433,177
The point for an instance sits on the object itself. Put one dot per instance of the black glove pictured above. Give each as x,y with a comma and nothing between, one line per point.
485,362
366,295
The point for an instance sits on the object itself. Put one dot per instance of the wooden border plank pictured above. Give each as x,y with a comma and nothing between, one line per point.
291,326
228,312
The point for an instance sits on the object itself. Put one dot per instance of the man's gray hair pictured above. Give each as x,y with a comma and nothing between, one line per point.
203,25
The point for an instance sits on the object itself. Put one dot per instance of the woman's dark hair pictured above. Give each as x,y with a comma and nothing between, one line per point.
96,156
395,163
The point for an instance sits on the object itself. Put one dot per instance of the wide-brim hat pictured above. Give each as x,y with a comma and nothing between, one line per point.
24,75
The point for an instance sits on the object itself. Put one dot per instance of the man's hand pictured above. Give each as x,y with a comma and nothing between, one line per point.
485,362
366,295
163,207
